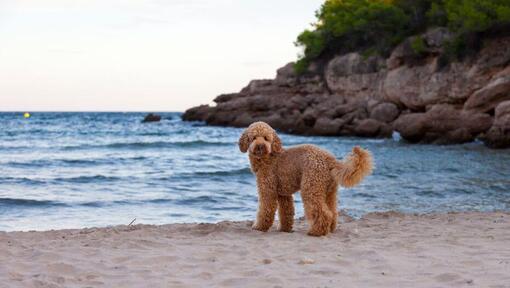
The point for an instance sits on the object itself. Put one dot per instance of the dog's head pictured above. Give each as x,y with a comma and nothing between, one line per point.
260,140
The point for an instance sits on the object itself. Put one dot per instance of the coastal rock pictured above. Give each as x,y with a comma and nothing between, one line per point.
351,75
327,126
355,95
385,112
198,113
489,96
498,135
151,118
442,124
433,40
368,128
225,97
494,54
420,86
436,37
286,76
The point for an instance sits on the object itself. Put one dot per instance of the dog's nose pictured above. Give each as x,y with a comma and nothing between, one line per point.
260,148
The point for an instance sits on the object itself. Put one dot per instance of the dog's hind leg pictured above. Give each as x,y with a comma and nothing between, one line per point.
286,212
317,212
331,200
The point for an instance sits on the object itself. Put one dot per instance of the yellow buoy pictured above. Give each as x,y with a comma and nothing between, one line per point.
26,115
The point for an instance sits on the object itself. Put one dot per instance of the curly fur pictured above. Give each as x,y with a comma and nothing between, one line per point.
306,168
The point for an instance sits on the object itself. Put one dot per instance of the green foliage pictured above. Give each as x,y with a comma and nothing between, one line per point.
369,53
418,45
458,48
301,65
350,24
476,15
377,26
315,42
453,51
436,15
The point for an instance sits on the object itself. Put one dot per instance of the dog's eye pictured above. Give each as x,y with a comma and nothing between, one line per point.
266,138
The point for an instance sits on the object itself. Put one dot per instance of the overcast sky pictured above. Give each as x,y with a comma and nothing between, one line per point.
128,55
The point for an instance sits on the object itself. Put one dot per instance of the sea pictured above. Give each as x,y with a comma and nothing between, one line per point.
76,169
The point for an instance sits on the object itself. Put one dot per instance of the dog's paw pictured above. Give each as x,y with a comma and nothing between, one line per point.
259,228
317,233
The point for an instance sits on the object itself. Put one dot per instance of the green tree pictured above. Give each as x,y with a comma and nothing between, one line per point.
347,25
377,26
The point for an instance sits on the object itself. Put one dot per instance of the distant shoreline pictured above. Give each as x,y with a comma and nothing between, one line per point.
88,111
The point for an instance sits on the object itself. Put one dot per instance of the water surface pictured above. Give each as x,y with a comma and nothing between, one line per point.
72,170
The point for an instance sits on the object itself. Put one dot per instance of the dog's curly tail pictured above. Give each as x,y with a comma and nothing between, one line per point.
353,168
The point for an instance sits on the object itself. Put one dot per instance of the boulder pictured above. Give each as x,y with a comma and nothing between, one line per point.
225,97
489,96
442,124
198,113
420,86
385,112
344,109
243,120
151,118
367,128
498,135
327,126
494,54
286,76
352,75
411,126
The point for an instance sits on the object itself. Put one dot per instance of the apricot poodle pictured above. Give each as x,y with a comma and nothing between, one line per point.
307,168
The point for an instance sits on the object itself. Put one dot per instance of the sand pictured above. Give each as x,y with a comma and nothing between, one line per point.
379,250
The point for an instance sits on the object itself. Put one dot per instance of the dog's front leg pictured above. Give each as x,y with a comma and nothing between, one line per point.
266,210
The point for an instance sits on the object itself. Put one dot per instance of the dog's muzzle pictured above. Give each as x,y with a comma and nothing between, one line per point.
259,149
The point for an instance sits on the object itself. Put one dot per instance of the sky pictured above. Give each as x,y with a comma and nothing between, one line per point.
134,55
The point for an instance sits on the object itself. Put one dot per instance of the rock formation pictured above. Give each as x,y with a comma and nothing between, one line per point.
151,117
416,95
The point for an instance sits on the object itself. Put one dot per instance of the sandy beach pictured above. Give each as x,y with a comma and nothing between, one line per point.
380,250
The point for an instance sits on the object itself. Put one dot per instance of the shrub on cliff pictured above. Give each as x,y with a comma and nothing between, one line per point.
476,15
348,25
379,25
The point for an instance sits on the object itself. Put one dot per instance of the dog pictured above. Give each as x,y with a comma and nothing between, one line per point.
307,168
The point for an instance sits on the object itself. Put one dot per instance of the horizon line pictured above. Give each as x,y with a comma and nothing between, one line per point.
89,111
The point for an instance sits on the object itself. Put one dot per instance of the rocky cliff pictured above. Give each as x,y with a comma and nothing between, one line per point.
415,94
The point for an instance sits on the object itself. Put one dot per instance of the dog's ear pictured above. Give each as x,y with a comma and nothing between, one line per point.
276,146
244,142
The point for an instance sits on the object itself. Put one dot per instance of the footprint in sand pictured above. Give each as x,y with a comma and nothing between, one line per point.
61,268
447,277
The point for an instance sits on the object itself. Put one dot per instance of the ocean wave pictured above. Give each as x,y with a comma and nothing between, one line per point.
97,204
186,201
29,202
76,179
149,145
242,171
205,174
71,162
29,164
197,200
87,179
21,180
